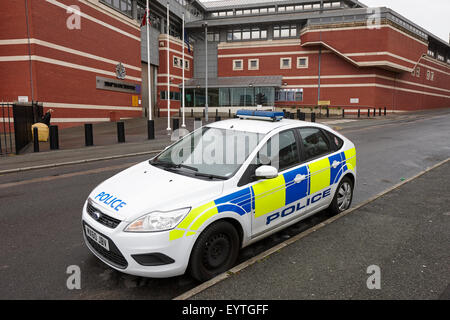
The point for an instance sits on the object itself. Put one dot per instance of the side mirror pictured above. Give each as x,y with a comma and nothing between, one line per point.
266,172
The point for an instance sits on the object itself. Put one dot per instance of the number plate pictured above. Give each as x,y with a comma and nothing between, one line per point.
97,237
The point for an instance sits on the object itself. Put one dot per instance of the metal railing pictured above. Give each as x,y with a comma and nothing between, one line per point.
6,129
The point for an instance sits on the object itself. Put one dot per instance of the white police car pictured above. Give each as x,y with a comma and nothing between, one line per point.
216,190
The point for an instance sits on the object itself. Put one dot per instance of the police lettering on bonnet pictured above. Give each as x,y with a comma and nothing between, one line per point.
161,216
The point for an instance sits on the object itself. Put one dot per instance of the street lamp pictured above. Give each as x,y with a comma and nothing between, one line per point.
205,25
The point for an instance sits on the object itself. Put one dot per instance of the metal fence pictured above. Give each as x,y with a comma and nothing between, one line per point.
6,129
15,125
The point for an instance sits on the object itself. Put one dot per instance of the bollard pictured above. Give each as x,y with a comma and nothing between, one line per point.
368,113
217,112
343,113
359,113
175,124
385,111
197,123
313,117
302,116
54,139
192,113
298,114
88,136
159,114
328,112
203,113
374,112
229,113
35,140
120,132
151,129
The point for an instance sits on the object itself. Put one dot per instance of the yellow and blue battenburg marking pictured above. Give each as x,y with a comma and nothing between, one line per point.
272,194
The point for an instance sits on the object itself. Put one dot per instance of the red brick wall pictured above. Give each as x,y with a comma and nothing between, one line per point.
61,84
176,73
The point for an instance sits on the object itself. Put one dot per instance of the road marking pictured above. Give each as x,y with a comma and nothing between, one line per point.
265,254
53,165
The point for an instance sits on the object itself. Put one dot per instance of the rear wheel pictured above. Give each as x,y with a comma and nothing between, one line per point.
343,196
215,251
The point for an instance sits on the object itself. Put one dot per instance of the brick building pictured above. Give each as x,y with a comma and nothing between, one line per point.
87,59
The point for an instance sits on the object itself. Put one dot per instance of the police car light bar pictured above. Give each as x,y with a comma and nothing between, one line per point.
260,115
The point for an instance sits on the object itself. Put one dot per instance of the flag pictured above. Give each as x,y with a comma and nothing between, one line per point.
146,18
186,40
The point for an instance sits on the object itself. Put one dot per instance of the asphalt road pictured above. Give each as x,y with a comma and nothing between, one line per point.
40,229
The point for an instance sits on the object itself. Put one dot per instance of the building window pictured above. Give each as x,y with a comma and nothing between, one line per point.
176,62
213,36
428,74
285,31
186,64
253,64
302,62
174,95
432,76
418,72
285,63
289,95
238,65
123,6
246,34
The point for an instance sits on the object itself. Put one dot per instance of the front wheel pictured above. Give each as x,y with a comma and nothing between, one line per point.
343,196
215,251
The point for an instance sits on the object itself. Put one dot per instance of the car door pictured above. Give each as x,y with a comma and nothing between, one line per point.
324,165
273,199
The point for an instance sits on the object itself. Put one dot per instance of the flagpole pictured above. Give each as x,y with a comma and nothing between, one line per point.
183,66
147,16
168,68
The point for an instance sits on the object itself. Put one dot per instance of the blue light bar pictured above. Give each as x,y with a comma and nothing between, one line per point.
260,115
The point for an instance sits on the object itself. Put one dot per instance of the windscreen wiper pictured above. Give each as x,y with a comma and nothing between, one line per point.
168,164
211,176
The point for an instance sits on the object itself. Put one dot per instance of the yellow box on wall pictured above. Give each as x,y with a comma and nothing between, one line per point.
135,101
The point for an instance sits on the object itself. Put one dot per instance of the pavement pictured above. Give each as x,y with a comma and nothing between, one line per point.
405,233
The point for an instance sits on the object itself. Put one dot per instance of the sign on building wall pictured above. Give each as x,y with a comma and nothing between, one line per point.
117,85
354,100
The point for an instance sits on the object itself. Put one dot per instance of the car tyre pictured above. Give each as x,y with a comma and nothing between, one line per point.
215,251
343,196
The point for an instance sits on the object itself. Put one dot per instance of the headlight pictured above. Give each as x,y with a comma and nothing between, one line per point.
158,221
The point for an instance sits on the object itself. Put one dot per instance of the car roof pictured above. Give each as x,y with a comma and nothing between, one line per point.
257,126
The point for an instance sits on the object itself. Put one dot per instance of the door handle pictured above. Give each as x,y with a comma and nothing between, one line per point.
335,164
299,178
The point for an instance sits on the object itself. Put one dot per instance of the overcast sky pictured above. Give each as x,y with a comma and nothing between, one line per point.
432,15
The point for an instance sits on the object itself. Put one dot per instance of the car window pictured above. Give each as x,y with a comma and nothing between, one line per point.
280,151
336,141
314,142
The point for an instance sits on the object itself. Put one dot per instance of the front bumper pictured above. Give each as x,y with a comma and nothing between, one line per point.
124,245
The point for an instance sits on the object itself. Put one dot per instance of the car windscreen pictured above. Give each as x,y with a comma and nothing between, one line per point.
214,153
